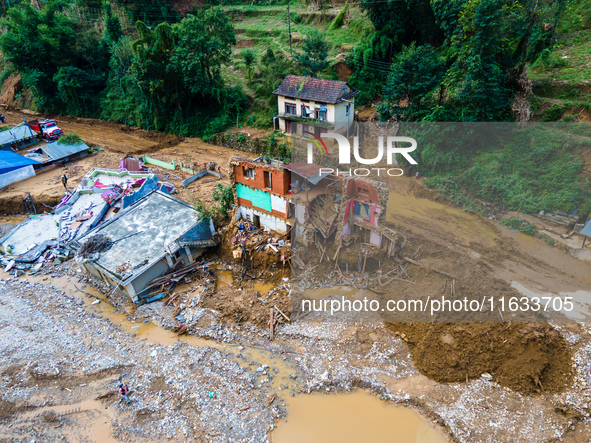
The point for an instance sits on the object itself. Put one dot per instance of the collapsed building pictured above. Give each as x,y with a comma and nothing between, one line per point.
101,194
340,209
262,192
145,240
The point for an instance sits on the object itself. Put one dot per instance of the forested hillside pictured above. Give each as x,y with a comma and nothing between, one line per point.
196,68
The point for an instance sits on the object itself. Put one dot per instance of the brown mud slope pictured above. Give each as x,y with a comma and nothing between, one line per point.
526,357
115,141
113,136
516,348
529,357
11,86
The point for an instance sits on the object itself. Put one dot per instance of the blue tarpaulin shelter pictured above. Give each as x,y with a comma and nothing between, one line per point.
9,161
15,167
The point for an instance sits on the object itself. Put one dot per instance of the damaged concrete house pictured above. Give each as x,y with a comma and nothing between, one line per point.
101,194
145,240
262,192
321,206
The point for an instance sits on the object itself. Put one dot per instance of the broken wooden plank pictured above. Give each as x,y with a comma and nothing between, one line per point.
284,316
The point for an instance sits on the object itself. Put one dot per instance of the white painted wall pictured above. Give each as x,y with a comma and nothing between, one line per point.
334,113
279,204
268,222
16,176
300,213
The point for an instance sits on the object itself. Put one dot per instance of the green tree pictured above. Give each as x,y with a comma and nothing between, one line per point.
204,42
482,48
249,57
313,59
417,73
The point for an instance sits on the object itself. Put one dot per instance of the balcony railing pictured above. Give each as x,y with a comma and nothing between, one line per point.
297,118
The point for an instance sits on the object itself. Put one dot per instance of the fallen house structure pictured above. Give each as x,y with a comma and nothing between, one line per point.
102,194
15,167
56,152
262,192
144,241
17,138
321,206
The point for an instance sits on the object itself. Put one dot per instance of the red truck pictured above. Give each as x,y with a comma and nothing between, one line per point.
48,128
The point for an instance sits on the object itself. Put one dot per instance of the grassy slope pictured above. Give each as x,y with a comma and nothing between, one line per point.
562,77
262,27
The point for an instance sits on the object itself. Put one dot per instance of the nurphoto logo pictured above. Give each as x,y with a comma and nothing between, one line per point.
392,148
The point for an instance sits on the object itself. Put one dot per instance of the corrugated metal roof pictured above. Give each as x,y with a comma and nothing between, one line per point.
58,151
10,161
16,134
315,89
587,229
309,171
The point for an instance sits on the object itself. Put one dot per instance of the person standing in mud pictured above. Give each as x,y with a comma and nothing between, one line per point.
65,181
124,390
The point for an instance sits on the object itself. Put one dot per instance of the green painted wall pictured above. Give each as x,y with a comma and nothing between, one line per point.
260,199
160,163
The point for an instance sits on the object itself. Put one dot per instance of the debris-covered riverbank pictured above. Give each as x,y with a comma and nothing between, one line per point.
62,359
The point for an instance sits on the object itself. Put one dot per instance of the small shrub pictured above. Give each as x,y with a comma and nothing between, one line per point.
70,138
224,196
569,118
547,239
553,114
519,224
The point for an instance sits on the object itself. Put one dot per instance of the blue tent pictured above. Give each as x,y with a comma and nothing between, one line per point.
10,161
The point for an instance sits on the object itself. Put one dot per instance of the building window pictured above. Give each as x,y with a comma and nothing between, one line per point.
177,255
290,109
248,173
362,210
321,114
362,191
268,180
304,111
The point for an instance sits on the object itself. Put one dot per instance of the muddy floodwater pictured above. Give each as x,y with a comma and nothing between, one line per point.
352,418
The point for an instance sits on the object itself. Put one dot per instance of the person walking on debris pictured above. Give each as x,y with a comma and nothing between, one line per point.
65,181
2,118
124,390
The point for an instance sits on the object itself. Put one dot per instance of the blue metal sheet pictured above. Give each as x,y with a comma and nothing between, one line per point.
9,161
587,229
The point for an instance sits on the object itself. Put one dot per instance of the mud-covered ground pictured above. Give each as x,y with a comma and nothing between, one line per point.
114,141
61,357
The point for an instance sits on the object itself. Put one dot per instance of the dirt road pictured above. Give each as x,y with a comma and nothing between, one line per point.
115,141
539,373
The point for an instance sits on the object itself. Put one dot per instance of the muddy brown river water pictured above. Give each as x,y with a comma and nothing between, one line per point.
355,417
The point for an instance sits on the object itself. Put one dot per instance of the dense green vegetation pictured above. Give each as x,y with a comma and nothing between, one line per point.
165,77
525,169
139,62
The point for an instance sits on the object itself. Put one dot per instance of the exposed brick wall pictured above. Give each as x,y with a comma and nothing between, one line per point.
362,189
280,179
